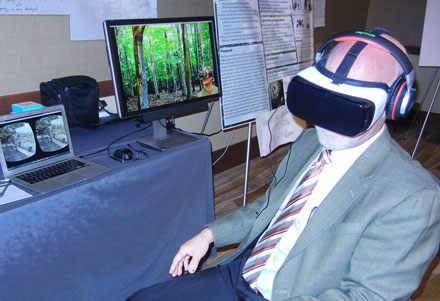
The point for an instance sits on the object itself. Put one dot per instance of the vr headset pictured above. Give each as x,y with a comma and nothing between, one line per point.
347,106
203,74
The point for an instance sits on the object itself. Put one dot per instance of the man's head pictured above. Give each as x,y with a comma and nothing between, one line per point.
348,93
206,75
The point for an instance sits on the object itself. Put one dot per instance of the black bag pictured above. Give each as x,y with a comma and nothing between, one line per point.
79,95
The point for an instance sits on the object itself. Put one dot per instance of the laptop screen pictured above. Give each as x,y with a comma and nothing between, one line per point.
33,139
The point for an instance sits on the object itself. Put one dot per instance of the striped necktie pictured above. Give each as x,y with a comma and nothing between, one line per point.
268,241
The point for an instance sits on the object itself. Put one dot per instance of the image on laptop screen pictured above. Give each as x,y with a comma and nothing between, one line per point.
31,140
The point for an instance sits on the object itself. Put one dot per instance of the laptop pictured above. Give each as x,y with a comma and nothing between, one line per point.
36,151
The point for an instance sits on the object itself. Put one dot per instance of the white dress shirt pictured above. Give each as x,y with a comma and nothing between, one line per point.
341,161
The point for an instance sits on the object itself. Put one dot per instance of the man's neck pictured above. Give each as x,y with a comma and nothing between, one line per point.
209,87
376,128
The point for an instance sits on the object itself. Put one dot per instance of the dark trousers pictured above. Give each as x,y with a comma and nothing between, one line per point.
223,282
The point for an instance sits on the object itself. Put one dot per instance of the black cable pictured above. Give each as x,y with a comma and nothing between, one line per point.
163,125
205,135
141,154
212,134
5,185
226,148
275,182
109,113
136,155
270,144
107,148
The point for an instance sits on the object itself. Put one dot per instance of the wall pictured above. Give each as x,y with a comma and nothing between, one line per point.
403,18
38,48
342,15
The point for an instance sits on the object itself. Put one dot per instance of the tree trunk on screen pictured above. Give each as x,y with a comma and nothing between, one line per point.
128,73
182,69
200,40
141,76
199,53
186,60
153,67
170,68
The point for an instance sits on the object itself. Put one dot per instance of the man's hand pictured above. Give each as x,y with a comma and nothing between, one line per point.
190,253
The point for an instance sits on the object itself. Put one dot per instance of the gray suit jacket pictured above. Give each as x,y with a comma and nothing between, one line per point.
372,238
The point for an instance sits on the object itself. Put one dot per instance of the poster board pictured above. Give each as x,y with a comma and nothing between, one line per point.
430,49
262,45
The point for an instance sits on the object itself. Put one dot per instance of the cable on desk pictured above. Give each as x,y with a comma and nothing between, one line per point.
141,154
4,184
107,148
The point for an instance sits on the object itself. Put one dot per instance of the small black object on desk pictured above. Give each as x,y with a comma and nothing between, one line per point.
123,154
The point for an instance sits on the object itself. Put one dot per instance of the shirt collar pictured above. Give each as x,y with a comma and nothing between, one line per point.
351,154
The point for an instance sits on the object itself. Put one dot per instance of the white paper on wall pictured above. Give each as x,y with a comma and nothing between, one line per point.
86,16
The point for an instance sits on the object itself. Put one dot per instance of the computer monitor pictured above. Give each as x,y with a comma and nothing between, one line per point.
162,68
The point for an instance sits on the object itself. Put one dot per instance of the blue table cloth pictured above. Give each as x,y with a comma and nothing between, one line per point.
104,238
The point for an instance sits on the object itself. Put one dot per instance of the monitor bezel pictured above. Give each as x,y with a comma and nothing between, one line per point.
168,110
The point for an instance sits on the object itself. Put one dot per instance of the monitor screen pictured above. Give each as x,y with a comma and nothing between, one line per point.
162,67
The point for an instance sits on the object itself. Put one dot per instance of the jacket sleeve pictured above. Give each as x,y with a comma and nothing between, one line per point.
234,227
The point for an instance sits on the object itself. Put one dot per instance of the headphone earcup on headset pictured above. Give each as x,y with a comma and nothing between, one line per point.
396,96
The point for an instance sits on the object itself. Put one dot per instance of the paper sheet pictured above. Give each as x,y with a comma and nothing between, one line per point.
12,194
284,128
319,13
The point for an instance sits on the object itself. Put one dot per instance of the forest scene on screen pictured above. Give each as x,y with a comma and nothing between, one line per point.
163,63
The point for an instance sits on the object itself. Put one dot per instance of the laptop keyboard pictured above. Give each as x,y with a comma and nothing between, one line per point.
51,171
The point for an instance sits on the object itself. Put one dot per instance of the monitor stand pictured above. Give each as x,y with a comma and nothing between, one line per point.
163,139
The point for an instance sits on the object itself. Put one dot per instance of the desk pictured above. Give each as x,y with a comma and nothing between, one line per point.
105,238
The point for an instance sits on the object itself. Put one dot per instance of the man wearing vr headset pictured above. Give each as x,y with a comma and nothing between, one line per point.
206,77
371,226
